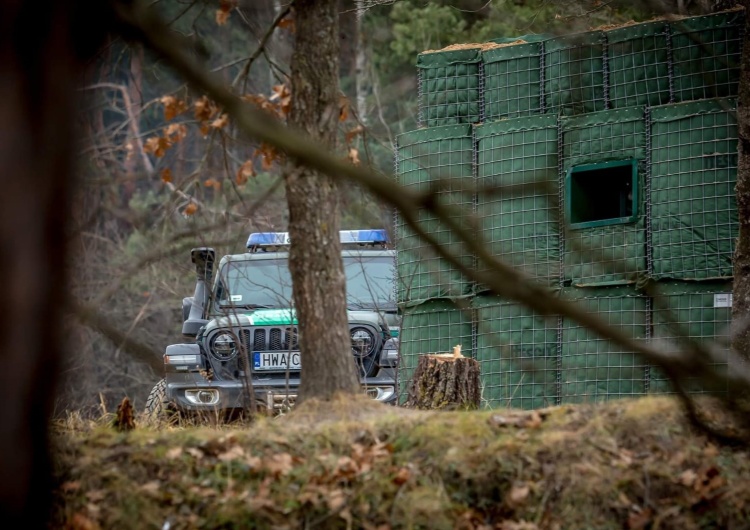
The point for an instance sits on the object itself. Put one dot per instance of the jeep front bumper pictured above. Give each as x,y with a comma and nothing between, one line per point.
190,392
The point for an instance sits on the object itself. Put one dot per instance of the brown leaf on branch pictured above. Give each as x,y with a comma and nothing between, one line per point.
212,183
157,145
190,209
247,170
343,108
225,7
287,23
353,133
176,132
220,122
205,109
283,95
354,156
173,106
166,175
268,154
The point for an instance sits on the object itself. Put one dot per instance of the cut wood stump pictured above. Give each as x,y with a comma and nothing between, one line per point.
445,381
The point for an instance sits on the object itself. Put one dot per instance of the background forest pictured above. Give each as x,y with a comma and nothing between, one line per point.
162,170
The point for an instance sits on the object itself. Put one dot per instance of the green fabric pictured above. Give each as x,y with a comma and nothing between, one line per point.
424,158
638,65
706,55
601,136
432,327
512,84
686,312
612,254
520,226
693,205
518,355
450,87
595,369
574,73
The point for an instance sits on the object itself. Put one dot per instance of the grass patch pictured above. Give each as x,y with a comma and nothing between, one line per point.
627,464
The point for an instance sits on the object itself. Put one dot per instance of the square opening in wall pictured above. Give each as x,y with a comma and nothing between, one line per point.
602,194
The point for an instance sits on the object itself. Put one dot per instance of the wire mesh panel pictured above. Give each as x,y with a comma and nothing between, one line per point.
706,55
512,80
689,313
435,326
603,163
439,159
694,218
517,193
595,369
638,65
574,73
517,351
450,86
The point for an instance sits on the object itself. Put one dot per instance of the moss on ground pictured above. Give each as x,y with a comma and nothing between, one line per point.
627,464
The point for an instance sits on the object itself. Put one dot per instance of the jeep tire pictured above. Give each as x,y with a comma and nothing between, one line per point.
158,409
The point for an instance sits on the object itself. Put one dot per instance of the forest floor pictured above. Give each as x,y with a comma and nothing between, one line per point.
633,464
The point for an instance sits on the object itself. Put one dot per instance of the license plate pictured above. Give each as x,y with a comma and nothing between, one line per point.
276,360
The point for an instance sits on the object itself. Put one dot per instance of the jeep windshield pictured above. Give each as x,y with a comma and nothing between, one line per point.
266,283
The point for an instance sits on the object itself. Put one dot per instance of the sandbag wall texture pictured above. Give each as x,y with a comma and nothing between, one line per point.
659,94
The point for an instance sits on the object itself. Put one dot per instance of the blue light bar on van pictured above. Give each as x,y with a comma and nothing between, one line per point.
275,239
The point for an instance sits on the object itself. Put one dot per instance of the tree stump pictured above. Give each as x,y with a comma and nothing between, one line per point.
445,381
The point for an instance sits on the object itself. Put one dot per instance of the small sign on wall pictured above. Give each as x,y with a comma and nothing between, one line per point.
723,300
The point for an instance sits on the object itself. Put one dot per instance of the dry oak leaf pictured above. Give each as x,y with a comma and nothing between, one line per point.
402,476
351,134
212,183
173,106
280,464
283,95
353,156
247,170
287,23
225,7
220,122
190,209
166,175
518,494
157,145
175,132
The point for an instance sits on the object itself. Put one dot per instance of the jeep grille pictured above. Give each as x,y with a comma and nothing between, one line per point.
271,339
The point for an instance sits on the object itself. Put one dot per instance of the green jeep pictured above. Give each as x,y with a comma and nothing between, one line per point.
244,347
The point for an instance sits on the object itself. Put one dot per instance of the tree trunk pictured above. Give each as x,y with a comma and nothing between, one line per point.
741,294
361,70
445,381
38,68
319,284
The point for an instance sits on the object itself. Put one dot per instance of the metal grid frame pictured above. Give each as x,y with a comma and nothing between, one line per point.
517,202
518,354
512,81
428,158
594,369
450,87
684,315
693,173
574,73
706,55
616,253
638,70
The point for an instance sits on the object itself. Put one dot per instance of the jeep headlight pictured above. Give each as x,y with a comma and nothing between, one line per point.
224,345
363,342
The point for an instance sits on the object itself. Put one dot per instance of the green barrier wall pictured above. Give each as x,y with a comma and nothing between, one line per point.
449,87
594,369
512,81
432,327
638,65
706,55
691,312
518,354
694,169
425,158
574,73
612,254
517,171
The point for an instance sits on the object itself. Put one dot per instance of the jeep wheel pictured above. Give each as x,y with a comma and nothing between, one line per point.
157,408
